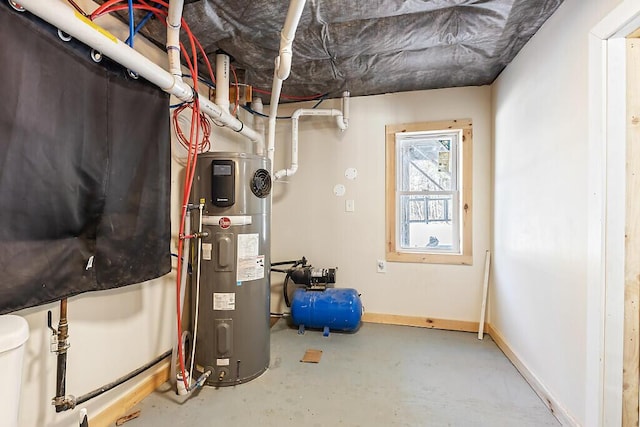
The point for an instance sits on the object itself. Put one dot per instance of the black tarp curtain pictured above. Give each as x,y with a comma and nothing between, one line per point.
84,169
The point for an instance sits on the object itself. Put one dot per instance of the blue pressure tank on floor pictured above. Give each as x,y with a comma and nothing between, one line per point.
330,309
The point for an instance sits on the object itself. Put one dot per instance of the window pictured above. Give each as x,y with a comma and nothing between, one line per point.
428,192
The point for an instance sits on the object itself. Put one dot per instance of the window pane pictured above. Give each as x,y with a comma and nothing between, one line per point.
427,163
427,223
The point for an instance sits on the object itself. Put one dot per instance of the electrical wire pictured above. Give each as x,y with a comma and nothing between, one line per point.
78,8
205,125
131,24
292,97
256,113
192,65
141,24
112,6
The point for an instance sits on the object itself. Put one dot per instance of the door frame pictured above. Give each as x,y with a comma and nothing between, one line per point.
606,332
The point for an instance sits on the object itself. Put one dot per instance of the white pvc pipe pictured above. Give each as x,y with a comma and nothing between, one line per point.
288,33
343,119
273,113
294,136
64,18
174,19
222,81
282,68
258,121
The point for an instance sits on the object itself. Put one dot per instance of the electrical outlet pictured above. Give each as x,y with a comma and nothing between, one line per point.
382,266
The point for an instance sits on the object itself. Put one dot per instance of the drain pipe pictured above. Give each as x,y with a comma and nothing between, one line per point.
342,120
67,20
258,121
61,401
282,69
60,345
222,81
174,22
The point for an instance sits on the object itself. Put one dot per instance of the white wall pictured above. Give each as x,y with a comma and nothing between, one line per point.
539,281
308,219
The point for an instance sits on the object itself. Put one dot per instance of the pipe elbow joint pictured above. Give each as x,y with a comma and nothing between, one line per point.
342,122
64,403
283,64
285,172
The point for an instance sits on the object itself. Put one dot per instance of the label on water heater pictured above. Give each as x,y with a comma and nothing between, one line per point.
207,248
249,264
250,268
224,301
222,362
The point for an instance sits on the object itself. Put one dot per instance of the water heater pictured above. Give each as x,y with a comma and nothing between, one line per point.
232,339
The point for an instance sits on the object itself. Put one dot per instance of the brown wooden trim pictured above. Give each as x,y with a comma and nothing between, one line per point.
634,35
466,257
631,348
390,192
422,322
120,407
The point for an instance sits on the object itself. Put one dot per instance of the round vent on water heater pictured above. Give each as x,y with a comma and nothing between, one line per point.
261,183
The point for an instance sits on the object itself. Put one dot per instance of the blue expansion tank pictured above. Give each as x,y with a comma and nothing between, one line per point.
335,309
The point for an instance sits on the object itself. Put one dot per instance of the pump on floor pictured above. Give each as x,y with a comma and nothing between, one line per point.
317,305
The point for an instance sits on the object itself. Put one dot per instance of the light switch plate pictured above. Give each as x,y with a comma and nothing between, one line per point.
349,205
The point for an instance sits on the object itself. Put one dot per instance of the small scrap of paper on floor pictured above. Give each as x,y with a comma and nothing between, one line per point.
312,356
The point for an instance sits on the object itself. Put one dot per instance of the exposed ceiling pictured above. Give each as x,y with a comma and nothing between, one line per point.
368,46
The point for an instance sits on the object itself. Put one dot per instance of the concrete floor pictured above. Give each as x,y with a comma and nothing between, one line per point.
381,375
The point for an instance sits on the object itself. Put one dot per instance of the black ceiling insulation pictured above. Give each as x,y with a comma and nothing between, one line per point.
368,47
84,170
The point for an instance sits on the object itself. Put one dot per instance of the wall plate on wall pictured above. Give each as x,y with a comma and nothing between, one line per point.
339,190
351,173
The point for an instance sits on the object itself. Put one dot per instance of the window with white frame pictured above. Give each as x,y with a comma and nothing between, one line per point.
429,192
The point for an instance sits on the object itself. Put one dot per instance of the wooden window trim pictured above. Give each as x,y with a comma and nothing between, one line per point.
466,255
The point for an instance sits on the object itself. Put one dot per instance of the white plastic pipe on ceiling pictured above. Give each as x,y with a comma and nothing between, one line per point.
282,69
66,19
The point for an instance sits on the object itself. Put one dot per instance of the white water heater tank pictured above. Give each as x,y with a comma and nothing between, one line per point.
14,332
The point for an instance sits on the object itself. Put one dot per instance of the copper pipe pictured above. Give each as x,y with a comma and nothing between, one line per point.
62,402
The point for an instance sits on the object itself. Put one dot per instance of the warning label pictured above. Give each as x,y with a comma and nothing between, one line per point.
224,301
250,265
250,268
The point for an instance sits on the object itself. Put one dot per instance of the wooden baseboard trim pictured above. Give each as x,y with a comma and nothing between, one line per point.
108,416
421,322
560,412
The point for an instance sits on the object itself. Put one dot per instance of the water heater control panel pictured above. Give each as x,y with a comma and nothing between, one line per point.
223,182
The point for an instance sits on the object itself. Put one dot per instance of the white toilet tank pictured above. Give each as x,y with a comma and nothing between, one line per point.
14,332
